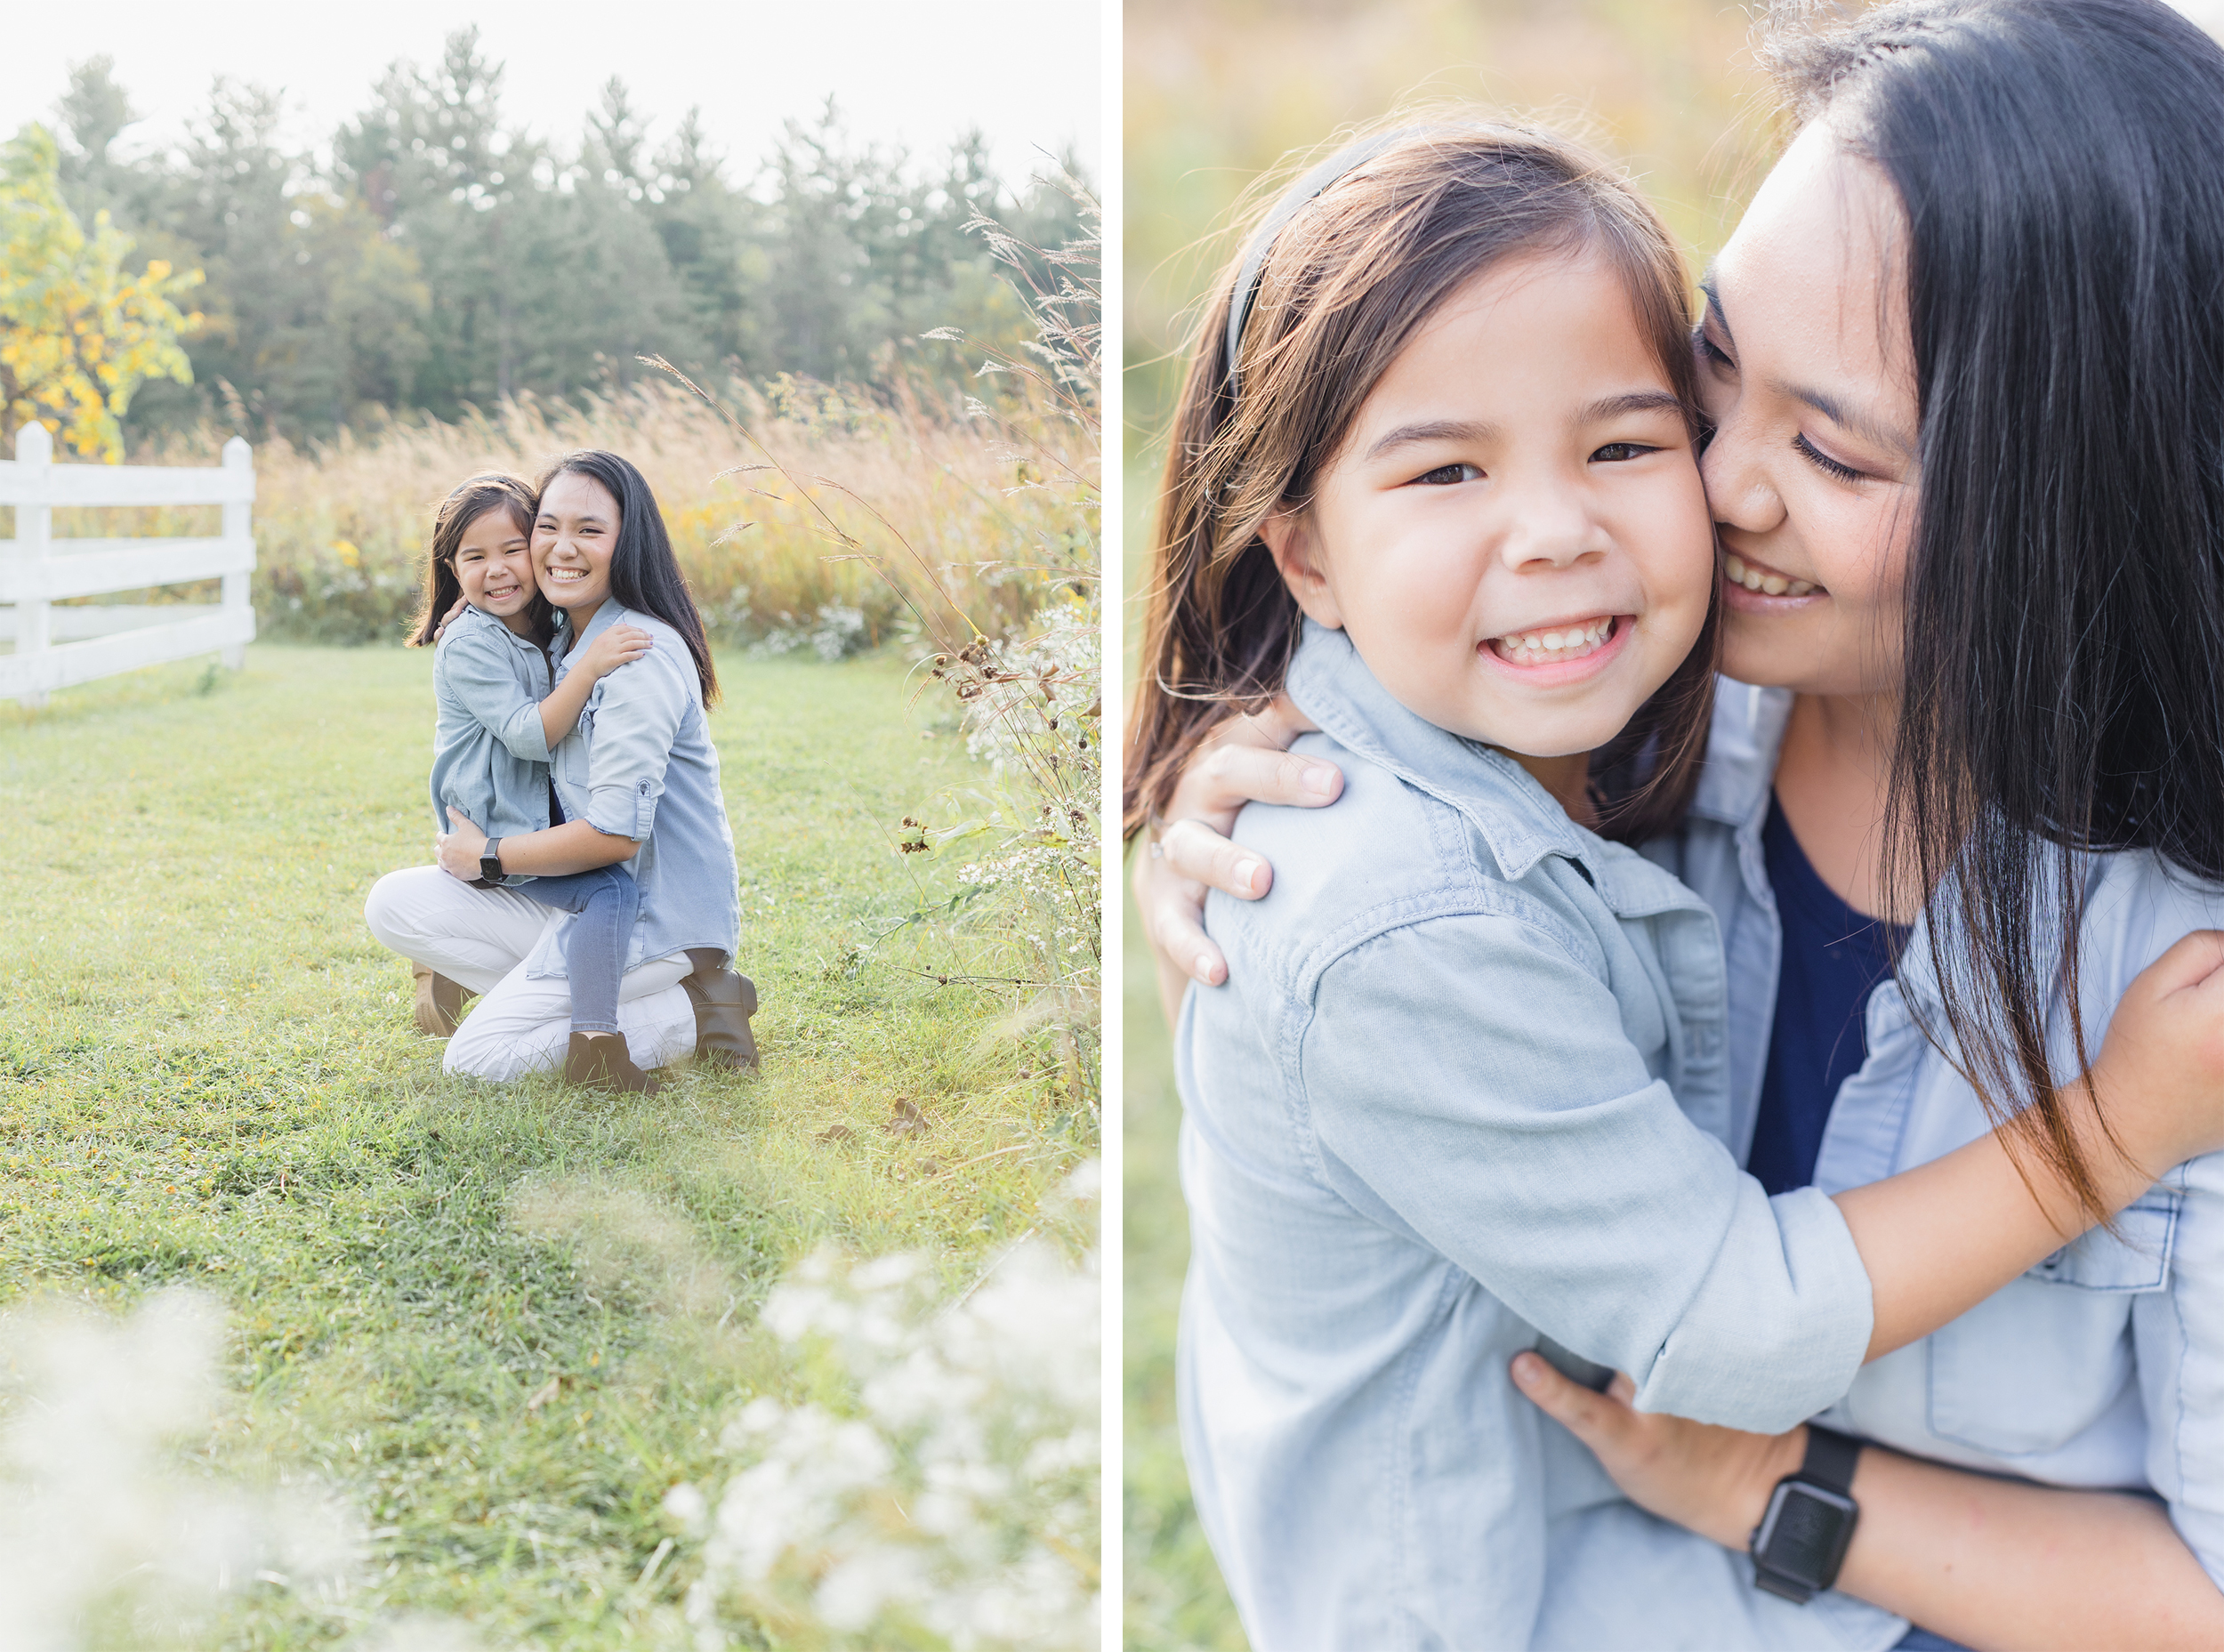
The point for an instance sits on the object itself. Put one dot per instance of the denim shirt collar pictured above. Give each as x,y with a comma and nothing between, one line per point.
1517,818
1743,745
560,647
1741,755
478,617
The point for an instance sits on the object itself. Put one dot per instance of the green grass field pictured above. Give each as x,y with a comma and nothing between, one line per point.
1175,1599
444,1303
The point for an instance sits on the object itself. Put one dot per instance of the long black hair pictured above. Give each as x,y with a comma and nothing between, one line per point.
644,573
2060,164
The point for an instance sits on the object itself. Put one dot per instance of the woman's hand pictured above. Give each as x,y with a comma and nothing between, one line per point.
1246,759
448,619
2159,1078
620,645
459,849
1715,1481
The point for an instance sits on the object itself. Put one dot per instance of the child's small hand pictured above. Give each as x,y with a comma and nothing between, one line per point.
448,619
618,646
2160,1074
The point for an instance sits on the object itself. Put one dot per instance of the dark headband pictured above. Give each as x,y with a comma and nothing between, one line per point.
1300,193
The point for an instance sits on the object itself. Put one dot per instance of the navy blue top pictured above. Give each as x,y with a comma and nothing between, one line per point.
1834,957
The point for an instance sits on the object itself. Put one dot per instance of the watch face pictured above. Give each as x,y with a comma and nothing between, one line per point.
1805,1533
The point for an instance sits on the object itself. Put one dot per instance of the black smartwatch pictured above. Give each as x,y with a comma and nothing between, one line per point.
490,863
1800,1542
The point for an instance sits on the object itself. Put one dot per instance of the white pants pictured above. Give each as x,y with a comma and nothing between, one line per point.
480,937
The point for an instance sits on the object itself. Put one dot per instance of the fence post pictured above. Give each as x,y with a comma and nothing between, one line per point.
239,525
34,542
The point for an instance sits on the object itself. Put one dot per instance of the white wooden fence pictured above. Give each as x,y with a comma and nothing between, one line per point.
56,647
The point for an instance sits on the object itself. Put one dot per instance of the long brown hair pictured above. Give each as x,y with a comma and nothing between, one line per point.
1348,279
494,490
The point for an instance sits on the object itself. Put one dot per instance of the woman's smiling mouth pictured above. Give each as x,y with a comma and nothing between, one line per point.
560,575
1764,581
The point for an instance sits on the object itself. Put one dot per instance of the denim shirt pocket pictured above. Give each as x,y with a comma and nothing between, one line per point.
2040,1360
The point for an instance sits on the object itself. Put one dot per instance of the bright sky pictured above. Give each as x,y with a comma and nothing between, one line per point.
1026,72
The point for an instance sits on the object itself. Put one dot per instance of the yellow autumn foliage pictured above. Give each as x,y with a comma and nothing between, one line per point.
78,333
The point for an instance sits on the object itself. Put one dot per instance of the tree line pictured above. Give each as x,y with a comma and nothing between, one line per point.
438,256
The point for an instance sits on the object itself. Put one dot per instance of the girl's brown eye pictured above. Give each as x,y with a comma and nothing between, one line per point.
1448,475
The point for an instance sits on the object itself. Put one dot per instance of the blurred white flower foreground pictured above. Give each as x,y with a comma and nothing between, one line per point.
957,1498
96,1517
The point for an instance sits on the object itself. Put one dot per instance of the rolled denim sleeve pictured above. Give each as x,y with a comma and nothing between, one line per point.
2178,1332
479,671
639,711
1474,1076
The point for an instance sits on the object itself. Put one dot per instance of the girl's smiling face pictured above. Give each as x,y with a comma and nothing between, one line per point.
1513,532
494,565
1807,375
573,539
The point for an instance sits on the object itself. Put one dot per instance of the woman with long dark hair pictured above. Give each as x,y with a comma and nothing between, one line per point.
1964,359
636,782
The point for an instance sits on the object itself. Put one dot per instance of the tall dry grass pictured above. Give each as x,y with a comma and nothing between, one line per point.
340,527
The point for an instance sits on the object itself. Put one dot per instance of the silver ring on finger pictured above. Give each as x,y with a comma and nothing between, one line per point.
1157,850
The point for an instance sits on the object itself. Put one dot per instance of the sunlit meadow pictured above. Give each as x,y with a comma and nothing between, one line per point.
304,1343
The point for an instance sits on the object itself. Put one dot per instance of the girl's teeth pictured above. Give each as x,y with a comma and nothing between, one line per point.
1532,648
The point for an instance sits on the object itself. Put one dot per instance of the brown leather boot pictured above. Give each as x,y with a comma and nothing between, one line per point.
723,1003
439,1001
602,1062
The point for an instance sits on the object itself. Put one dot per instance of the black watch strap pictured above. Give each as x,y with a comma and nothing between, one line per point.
490,861
1830,1459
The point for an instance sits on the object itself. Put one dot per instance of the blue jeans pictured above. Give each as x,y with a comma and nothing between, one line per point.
605,902
1922,1641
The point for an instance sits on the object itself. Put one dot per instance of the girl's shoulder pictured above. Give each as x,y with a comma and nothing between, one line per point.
474,630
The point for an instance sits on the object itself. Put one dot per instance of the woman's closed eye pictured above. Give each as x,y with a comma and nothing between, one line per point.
1448,475
1825,462
1711,354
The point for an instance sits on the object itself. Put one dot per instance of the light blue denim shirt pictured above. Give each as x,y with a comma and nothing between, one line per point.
641,764
489,752
2102,1366
1468,1081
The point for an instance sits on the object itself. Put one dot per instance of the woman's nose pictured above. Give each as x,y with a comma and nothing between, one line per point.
1738,491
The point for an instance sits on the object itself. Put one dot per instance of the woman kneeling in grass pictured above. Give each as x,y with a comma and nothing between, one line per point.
632,781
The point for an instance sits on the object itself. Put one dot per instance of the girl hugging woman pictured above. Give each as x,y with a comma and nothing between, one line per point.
586,882
1468,1078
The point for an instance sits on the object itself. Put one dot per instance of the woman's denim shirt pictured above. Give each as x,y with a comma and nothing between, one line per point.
489,752
2103,1366
1468,1082
641,764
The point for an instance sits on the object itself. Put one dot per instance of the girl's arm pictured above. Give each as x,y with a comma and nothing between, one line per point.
1939,1238
480,670
1508,1121
560,712
1990,1563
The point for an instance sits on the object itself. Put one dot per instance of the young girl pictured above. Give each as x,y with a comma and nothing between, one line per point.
1466,1084
498,721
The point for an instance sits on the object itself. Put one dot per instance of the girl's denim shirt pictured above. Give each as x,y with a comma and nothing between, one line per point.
2103,1366
641,764
1469,1082
489,752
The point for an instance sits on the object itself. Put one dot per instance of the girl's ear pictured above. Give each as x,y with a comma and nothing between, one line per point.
1289,540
